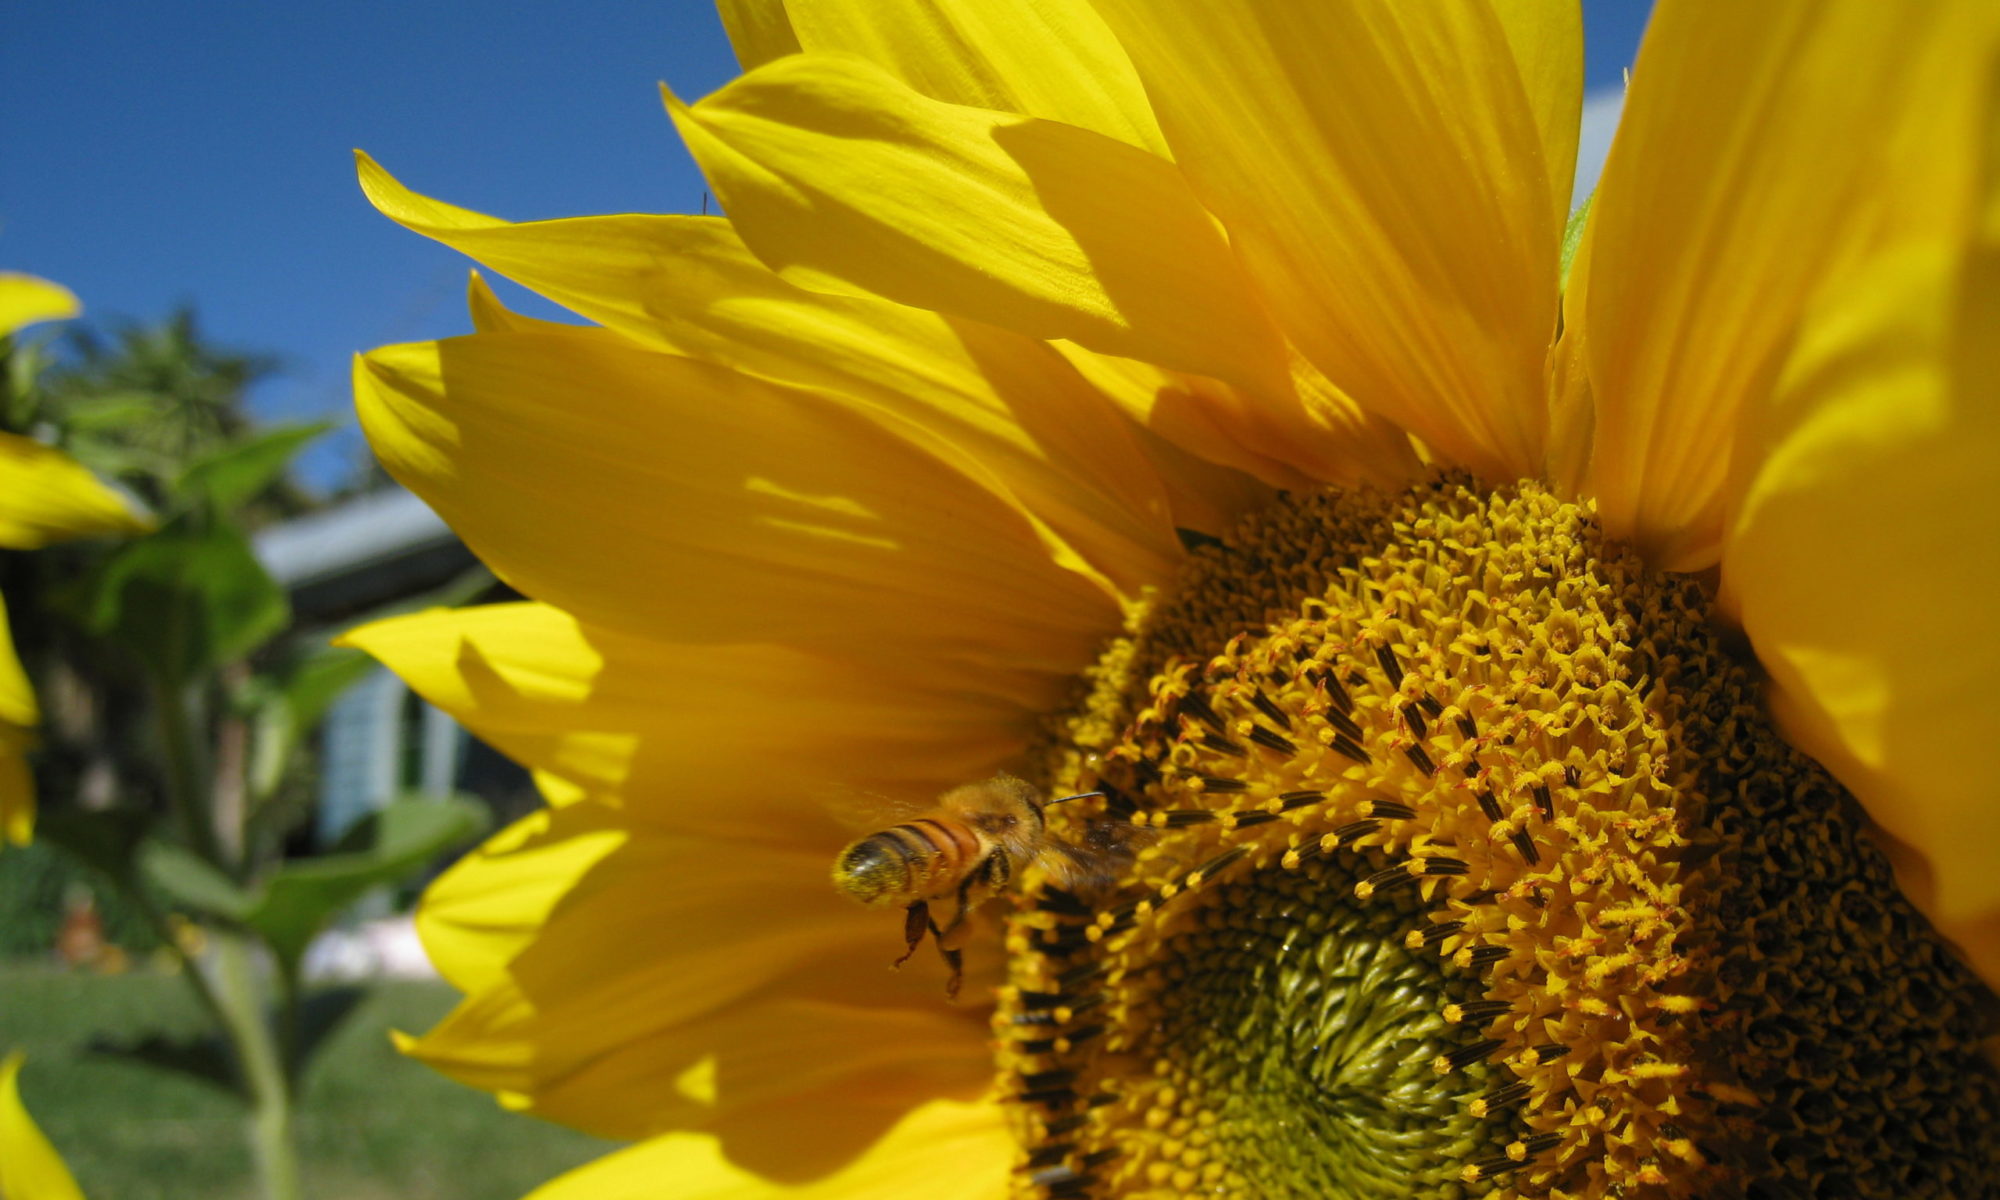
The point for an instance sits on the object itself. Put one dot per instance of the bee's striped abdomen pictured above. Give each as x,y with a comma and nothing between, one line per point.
909,862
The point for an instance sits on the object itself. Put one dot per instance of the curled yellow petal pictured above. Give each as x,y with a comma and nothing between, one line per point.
1864,556
24,300
30,1168
1008,409
47,496
845,180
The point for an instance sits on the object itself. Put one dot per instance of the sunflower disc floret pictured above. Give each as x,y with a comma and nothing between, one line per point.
1457,858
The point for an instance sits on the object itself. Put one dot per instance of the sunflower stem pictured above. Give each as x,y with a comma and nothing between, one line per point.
266,1083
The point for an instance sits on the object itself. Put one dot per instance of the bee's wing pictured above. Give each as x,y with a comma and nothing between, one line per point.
863,811
1095,860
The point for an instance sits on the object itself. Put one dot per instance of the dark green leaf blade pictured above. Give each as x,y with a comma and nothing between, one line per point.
206,1058
321,1014
233,475
303,895
186,601
192,882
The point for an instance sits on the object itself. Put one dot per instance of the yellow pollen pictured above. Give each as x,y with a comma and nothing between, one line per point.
1455,857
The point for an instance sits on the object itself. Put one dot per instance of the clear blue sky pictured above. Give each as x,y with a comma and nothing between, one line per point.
159,153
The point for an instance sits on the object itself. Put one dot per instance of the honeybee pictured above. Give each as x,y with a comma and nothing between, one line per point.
967,849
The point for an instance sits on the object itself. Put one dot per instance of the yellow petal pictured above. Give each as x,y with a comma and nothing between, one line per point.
1572,413
744,1068
30,1168
25,300
684,727
1546,37
1864,557
770,987
1763,150
942,1151
47,496
666,497
1382,172
844,180
19,714
1013,411
490,315
17,698
17,791
1039,58
488,906
759,30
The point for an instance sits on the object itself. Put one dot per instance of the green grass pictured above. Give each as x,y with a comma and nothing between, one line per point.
372,1126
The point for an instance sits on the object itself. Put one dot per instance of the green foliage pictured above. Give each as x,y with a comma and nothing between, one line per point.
184,601
321,1015
194,616
232,475
204,1057
299,899
36,884
1573,235
371,1124
209,1058
106,841
192,882
145,399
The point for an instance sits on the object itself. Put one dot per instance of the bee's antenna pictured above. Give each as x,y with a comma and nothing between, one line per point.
1078,796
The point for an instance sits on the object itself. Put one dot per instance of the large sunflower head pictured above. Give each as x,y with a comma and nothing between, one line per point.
1524,708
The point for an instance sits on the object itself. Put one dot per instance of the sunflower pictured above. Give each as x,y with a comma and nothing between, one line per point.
1479,656
45,496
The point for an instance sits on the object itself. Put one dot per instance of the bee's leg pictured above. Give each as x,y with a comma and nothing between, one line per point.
957,921
989,876
953,960
916,922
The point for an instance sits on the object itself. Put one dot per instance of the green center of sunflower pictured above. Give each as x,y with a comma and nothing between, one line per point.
1455,857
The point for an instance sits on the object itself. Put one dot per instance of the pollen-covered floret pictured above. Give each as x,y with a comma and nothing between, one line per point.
1468,864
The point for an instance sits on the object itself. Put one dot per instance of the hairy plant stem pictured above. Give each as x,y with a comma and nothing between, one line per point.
265,1040
267,1081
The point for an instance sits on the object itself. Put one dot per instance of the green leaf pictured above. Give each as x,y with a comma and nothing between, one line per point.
318,678
236,473
461,589
1573,234
185,601
303,895
285,703
321,1014
107,412
106,841
206,1057
191,881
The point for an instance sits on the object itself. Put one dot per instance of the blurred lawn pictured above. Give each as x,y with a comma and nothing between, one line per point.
373,1125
